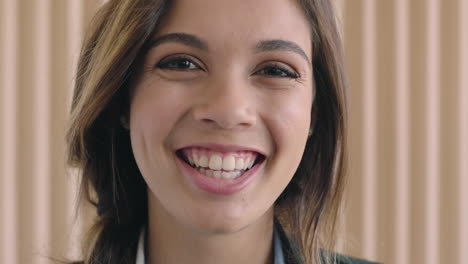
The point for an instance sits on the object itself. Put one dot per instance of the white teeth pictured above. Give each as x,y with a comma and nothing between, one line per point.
231,175
220,165
229,163
216,162
239,164
227,175
251,163
203,161
221,174
217,174
248,163
195,158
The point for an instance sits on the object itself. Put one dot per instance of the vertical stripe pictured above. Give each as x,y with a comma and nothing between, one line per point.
432,121
75,14
402,126
369,131
75,221
339,9
75,34
463,134
339,5
9,127
42,169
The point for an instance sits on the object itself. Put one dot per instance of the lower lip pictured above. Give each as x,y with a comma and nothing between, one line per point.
218,185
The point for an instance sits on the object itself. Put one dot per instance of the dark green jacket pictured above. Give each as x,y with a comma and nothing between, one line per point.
292,255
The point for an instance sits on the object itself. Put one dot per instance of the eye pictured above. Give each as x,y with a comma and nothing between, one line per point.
278,71
179,62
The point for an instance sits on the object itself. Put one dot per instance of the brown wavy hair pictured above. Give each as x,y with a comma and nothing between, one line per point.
99,146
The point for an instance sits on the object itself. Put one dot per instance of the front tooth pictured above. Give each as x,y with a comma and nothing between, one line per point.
217,174
229,163
190,159
209,172
216,162
203,161
239,164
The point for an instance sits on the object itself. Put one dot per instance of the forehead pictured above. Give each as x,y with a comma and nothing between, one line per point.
238,22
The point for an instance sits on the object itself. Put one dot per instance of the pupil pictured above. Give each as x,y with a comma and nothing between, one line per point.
184,64
275,71
179,64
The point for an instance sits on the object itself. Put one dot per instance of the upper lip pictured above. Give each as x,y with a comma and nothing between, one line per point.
224,147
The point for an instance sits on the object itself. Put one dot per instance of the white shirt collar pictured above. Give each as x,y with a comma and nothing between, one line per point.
140,257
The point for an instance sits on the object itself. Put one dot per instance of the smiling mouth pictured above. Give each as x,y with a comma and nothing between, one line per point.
223,165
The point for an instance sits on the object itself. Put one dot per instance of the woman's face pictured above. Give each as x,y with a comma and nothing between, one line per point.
226,86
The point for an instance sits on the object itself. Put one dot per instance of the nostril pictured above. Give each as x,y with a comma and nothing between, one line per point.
226,123
225,114
208,121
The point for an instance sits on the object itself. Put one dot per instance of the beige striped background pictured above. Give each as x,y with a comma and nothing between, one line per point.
408,186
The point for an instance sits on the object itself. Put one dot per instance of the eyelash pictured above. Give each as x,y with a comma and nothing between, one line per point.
283,71
165,63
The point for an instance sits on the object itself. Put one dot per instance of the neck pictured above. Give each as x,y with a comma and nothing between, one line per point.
169,241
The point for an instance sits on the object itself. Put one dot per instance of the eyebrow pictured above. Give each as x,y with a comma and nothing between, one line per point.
182,38
262,46
279,44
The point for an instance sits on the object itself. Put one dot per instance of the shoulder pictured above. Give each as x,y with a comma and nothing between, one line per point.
343,259
293,256
340,259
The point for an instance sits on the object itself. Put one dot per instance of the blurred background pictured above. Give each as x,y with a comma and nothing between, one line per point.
407,199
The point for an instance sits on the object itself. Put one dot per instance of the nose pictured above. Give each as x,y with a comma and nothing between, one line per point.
226,104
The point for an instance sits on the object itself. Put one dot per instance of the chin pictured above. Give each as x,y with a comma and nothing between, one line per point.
212,225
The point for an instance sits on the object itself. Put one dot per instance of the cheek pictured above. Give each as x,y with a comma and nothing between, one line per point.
290,119
155,108
154,112
289,123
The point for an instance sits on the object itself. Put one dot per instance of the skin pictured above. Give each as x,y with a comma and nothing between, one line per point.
225,97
